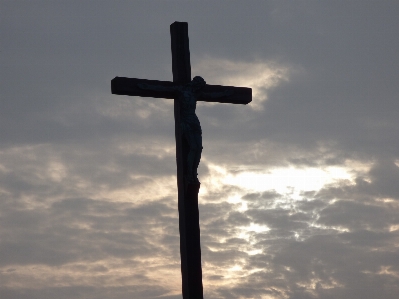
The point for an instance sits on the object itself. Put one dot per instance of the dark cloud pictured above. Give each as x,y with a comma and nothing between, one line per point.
82,229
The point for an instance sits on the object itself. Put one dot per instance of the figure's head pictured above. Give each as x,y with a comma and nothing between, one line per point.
198,83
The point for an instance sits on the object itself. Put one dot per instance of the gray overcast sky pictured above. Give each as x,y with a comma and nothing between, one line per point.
300,189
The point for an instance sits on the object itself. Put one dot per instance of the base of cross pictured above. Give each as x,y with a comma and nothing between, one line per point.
191,264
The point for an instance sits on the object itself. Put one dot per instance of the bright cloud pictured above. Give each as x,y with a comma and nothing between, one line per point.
289,180
259,75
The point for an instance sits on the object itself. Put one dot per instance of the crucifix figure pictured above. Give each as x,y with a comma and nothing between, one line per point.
189,123
188,135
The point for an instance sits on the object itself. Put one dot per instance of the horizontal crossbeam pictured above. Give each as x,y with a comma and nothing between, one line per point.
128,86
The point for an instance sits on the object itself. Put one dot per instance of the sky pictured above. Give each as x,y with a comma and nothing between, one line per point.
299,193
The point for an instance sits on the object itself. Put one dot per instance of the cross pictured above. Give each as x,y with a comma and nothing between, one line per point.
190,249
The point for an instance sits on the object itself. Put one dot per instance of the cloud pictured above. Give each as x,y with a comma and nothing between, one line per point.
299,194
258,75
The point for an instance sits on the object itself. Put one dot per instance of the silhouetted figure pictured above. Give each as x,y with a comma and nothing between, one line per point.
189,123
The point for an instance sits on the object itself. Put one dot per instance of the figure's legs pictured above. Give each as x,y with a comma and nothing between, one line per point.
191,157
194,140
198,141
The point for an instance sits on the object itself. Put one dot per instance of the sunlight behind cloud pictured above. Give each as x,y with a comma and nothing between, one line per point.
289,180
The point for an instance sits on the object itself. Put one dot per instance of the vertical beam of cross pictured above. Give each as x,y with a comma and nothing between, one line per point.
190,248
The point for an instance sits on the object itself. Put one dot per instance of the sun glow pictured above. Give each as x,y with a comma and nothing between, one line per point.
289,180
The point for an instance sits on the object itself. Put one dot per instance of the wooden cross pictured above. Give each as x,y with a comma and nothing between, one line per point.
190,249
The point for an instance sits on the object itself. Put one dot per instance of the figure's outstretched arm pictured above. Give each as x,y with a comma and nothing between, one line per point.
215,95
157,87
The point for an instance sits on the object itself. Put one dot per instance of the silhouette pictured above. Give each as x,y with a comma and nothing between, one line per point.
188,134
